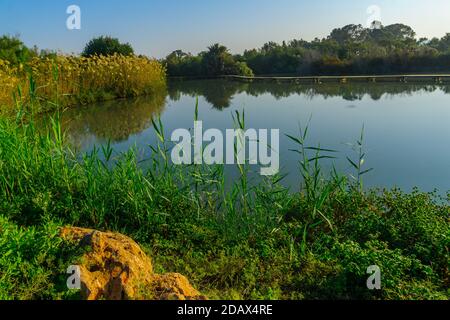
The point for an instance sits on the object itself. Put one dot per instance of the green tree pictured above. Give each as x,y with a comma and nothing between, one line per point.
104,46
241,69
217,60
400,32
349,33
443,44
13,50
181,64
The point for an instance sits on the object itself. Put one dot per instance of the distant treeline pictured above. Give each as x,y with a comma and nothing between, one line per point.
352,49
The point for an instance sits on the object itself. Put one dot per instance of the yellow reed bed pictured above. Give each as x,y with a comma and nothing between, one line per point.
68,80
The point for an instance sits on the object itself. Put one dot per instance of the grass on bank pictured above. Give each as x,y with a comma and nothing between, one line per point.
248,242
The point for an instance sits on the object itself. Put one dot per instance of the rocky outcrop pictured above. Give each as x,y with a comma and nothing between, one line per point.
115,268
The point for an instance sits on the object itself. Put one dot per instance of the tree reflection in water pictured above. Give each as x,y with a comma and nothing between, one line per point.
112,120
220,93
118,120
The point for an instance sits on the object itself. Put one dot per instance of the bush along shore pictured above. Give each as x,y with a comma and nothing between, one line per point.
247,241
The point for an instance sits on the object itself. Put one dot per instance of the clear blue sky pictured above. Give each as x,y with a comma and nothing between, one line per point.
157,27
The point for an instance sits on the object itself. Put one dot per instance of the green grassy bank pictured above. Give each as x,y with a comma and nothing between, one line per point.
248,242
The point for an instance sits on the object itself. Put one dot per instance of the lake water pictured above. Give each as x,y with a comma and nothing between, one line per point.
407,126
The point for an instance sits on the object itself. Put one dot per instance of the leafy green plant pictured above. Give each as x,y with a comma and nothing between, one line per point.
33,262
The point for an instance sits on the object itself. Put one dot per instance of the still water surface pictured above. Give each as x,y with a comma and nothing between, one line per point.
407,126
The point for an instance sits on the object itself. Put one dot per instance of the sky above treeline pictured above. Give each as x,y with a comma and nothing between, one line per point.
158,27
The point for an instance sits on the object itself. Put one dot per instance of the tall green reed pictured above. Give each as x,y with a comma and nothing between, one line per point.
358,163
316,188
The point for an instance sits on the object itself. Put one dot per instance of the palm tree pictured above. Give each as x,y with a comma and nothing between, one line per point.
216,59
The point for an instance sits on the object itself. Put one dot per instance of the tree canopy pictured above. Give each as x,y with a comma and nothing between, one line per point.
12,49
217,60
104,46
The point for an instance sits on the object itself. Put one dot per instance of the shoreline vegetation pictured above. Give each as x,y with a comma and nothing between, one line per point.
350,50
49,81
251,242
57,82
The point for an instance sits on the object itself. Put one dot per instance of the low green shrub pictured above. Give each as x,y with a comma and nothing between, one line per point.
33,262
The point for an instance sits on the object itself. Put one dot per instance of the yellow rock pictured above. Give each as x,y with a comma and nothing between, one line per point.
116,268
